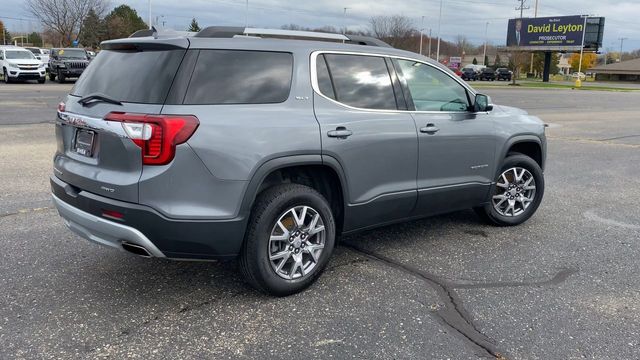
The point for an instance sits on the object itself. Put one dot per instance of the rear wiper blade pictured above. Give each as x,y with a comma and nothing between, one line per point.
98,97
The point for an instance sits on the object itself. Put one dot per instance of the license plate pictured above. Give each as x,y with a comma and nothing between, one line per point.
83,143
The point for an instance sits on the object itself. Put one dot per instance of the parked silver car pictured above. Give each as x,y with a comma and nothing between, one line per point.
232,144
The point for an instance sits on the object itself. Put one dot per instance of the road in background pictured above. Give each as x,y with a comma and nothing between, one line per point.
565,285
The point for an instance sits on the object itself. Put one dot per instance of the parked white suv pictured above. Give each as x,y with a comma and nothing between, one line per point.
20,64
41,54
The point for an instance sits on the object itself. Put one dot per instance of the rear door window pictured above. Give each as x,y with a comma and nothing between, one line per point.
240,77
361,81
131,75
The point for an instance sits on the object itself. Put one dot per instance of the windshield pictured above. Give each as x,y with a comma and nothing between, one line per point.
130,76
19,55
72,54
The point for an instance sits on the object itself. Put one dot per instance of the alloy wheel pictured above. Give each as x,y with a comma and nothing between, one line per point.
515,192
296,242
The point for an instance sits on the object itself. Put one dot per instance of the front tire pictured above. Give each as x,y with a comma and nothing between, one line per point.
289,239
42,80
6,76
517,193
61,77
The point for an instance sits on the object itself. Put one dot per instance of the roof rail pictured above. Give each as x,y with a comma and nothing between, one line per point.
367,40
232,31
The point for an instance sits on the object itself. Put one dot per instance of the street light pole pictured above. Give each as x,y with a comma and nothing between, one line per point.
429,43
421,30
149,9
344,22
439,25
484,55
246,14
584,29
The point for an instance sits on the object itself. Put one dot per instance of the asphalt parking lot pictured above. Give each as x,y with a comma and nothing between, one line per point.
565,285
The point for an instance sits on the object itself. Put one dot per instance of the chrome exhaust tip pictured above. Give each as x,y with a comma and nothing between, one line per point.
136,249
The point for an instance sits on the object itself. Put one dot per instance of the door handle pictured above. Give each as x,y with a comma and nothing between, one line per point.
340,132
429,129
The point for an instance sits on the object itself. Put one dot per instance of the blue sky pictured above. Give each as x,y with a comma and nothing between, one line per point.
465,17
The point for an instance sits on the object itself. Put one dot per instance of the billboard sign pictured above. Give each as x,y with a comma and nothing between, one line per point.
455,62
555,31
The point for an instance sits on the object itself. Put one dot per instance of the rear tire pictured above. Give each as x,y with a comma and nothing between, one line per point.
509,189
279,262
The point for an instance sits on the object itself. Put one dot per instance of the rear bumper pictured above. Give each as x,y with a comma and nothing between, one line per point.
143,226
102,231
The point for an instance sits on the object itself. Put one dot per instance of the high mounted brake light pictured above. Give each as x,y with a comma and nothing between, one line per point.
156,135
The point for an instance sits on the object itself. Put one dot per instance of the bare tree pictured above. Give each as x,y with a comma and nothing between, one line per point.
397,30
64,17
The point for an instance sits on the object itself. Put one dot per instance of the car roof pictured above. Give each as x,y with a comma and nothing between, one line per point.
304,47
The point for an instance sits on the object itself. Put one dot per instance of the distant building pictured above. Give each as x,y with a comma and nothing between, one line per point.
622,71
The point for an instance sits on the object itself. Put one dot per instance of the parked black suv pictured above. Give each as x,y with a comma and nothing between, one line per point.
487,74
67,63
503,74
469,74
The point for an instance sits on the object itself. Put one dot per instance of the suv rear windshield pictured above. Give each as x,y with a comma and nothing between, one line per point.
130,75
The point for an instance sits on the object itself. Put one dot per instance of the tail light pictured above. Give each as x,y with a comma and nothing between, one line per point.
156,135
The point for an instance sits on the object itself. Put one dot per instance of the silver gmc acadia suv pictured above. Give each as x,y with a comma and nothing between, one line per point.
267,145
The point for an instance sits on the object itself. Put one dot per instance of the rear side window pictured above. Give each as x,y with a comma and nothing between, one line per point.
361,81
130,76
240,77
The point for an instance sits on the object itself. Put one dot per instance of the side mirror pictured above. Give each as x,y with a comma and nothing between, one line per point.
482,103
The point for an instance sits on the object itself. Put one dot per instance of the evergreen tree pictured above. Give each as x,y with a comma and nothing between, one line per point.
497,61
194,27
92,31
475,61
122,22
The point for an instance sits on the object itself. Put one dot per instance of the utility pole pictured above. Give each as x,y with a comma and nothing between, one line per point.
439,25
484,53
522,8
149,10
622,39
535,14
421,30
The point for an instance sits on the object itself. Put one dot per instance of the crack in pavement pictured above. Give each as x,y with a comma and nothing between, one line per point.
591,215
126,333
454,314
24,211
